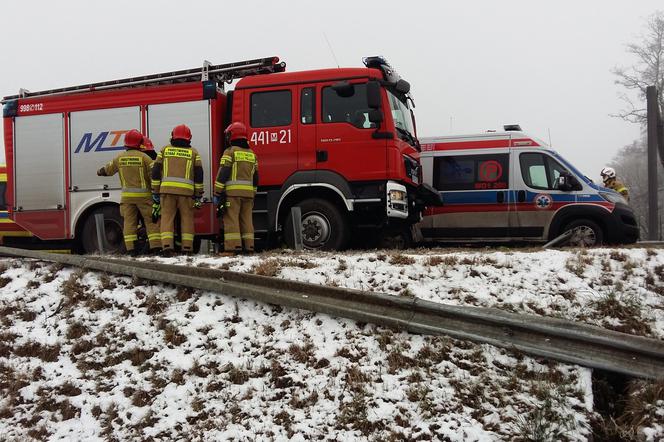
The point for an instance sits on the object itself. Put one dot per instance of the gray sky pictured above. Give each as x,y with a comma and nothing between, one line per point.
473,65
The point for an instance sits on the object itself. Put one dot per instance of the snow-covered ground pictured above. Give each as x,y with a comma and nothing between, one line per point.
90,357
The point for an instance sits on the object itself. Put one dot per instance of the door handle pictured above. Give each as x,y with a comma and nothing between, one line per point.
521,196
500,196
321,156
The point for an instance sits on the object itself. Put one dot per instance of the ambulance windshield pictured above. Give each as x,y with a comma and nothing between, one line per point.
402,118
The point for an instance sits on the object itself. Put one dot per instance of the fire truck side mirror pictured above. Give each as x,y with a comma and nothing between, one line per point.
344,89
373,95
402,86
375,116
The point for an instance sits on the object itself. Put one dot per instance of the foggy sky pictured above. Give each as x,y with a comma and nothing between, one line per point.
473,65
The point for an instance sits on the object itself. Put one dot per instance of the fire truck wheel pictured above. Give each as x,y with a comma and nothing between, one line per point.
585,233
112,229
324,227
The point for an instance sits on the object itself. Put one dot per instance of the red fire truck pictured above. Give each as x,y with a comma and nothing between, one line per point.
338,143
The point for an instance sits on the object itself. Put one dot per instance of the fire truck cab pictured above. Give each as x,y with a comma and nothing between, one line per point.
509,186
338,143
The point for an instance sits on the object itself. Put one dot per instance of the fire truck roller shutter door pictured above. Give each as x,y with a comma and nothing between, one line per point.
39,163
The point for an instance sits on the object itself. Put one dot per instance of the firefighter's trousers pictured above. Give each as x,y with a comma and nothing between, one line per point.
238,224
170,206
129,212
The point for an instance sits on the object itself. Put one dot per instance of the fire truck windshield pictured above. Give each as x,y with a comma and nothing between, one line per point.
402,118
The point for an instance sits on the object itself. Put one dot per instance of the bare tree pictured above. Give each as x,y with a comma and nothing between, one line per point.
648,70
631,166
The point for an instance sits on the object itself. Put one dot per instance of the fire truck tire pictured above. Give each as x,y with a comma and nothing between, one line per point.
112,227
324,226
585,233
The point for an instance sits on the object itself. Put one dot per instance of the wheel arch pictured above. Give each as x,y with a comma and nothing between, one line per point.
85,213
299,193
328,185
564,216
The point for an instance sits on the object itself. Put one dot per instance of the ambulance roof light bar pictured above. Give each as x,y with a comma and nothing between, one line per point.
220,73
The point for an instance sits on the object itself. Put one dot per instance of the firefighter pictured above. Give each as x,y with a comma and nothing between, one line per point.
134,168
177,186
148,148
235,188
610,181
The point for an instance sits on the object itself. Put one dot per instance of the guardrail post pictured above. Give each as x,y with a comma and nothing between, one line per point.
296,216
101,232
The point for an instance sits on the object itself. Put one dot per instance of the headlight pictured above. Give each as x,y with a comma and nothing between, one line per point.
397,195
612,197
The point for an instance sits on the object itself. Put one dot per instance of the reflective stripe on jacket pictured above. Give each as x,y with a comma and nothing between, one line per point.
238,173
178,171
134,169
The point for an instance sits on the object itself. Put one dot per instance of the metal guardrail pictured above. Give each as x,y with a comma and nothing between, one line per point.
553,338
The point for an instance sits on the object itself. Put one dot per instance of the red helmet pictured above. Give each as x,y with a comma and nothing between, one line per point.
147,144
181,132
236,130
133,139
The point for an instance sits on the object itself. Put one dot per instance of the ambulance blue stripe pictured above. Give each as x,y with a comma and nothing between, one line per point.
491,196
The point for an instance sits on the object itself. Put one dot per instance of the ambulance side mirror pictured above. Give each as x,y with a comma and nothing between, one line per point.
568,182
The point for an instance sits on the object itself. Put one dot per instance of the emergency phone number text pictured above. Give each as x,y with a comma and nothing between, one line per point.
33,107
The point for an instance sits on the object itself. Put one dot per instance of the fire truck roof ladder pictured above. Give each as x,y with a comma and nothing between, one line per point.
219,73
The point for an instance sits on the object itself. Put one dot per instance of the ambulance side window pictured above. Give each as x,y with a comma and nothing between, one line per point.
471,172
540,171
270,109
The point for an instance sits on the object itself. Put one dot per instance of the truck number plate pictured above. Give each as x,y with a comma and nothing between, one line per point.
33,107
263,137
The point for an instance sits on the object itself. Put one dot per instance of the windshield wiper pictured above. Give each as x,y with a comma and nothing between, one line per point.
406,136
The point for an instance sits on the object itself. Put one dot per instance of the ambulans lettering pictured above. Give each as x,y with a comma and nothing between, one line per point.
103,142
263,137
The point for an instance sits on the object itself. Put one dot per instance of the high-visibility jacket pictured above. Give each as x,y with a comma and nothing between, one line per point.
134,169
178,171
238,172
619,187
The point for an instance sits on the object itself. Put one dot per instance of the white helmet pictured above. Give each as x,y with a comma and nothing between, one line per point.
608,173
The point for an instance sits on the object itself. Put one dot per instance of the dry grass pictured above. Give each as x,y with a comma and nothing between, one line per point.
401,260
47,353
627,309
269,267
76,330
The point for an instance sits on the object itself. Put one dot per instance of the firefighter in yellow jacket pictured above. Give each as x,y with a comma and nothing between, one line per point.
235,188
177,186
134,168
611,181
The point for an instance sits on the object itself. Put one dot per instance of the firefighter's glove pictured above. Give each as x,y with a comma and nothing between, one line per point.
156,198
156,212
220,202
197,202
101,172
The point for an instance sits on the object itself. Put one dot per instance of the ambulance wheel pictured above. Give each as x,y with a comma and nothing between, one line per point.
112,230
585,233
324,227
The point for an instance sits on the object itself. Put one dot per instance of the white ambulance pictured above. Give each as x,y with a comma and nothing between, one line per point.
509,186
